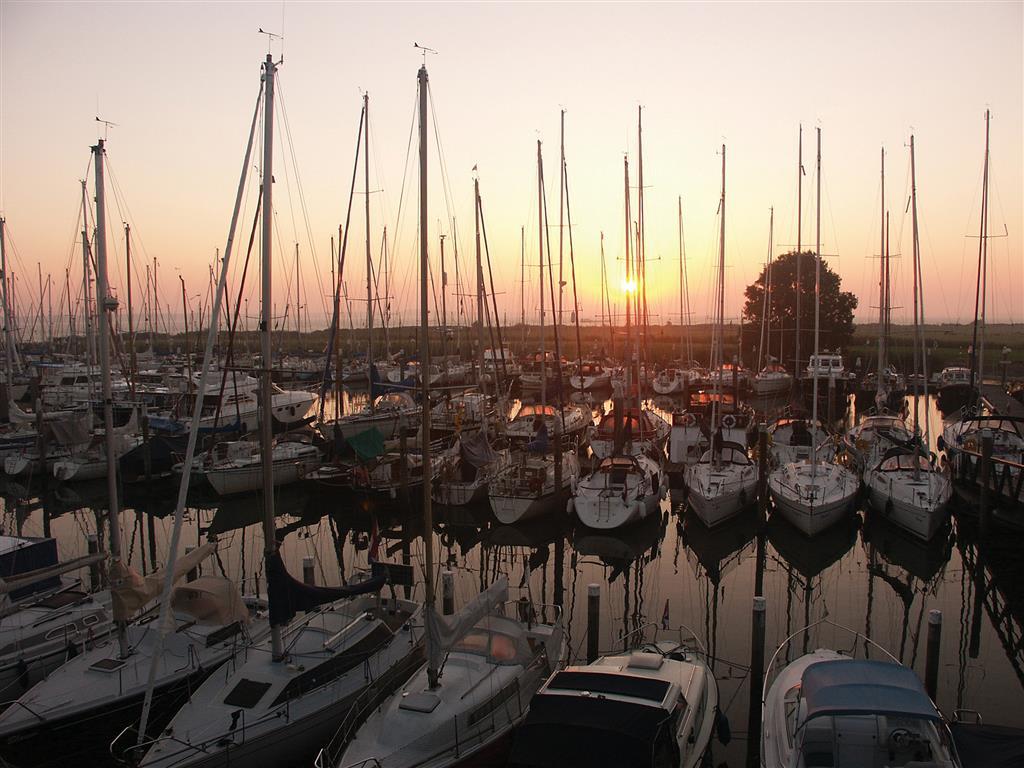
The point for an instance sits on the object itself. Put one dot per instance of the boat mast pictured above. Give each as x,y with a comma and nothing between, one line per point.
685,344
978,355
480,292
630,286
561,212
765,329
131,321
90,337
428,520
266,323
817,308
8,348
917,312
106,306
799,241
879,385
522,284
369,257
154,313
540,253
720,330
444,301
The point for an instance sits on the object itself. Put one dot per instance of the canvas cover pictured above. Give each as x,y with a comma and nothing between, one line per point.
368,444
477,451
444,631
71,431
210,600
130,590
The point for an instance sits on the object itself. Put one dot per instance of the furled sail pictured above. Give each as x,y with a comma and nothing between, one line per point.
131,590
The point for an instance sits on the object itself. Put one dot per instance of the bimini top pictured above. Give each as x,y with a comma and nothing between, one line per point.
856,687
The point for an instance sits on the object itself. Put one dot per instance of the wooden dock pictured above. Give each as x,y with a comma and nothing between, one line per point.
999,401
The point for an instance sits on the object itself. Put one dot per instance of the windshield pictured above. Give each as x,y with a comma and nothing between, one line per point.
874,741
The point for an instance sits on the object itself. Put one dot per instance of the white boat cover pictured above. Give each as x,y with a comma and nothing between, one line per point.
211,601
131,590
445,631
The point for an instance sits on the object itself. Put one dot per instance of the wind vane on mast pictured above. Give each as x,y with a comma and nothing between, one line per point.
425,51
107,125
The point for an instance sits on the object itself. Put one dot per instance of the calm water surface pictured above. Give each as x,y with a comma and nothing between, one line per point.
865,576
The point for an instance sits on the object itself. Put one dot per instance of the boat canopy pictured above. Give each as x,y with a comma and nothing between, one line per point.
563,731
731,453
535,410
445,631
900,458
864,687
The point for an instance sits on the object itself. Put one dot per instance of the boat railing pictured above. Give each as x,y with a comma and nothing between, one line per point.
857,637
681,634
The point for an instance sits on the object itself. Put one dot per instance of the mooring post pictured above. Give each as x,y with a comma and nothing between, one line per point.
931,666
308,574
93,544
984,479
447,592
194,573
762,471
593,621
757,635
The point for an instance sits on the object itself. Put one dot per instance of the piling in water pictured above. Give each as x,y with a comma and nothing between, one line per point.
308,574
931,666
593,621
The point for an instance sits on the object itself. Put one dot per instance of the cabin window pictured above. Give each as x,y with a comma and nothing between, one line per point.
67,629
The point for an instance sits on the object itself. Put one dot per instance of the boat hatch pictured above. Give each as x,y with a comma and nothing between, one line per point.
107,665
424,701
614,684
643,660
247,693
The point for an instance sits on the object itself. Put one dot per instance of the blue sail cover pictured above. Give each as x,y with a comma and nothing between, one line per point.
378,387
856,687
287,595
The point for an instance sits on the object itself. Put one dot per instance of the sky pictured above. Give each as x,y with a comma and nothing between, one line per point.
180,81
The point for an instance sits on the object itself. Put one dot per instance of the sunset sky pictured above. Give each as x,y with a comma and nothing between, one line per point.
180,81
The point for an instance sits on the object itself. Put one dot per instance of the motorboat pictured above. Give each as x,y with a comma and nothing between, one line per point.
389,414
571,421
773,379
656,705
590,375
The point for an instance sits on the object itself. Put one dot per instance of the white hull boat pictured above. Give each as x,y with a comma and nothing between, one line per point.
718,488
915,501
813,497
526,488
622,490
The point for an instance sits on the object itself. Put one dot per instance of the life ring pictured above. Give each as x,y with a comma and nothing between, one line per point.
689,419
728,421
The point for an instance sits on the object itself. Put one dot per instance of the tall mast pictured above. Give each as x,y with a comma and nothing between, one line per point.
90,337
107,305
799,241
879,385
298,306
684,335
444,304
561,212
266,323
917,314
131,320
428,519
480,292
720,331
641,250
630,285
154,320
369,258
766,310
817,305
522,284
8,344
540,253
978,355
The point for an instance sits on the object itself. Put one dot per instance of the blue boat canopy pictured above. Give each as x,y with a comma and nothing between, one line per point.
856,687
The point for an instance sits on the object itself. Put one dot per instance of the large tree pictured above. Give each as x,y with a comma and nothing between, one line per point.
837,307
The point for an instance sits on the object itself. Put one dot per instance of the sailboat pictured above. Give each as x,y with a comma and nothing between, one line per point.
482,667
816,492
539,477
912,491
724,479
885,386
773,378
93,696
280,698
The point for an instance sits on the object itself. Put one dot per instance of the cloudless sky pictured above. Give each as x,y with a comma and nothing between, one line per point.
180,81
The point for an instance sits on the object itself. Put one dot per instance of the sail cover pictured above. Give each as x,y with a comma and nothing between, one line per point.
211,600
477,451
287,595
444,631
131,590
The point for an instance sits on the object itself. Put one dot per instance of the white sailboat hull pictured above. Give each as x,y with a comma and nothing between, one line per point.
917,507
812,501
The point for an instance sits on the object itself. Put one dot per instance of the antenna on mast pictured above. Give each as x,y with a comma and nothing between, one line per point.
107,125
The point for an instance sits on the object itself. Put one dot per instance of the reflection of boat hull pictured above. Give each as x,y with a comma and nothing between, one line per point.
623,545
514,509
713,546
828,548
920,559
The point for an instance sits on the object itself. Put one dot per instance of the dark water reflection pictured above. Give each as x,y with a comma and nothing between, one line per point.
865,576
